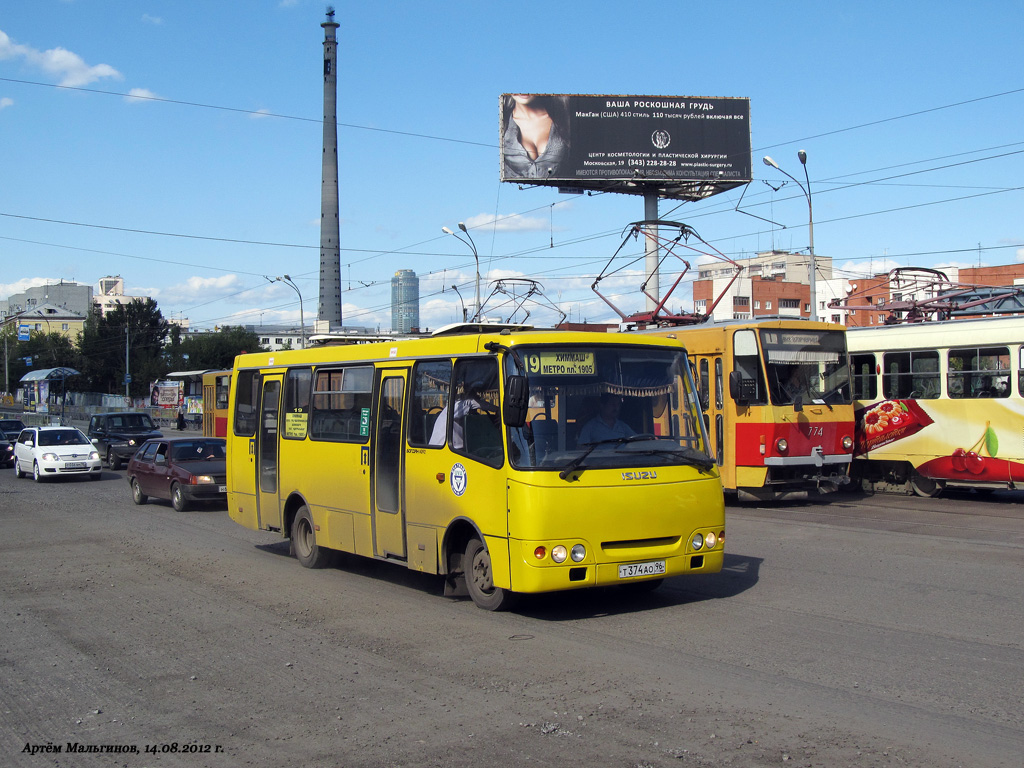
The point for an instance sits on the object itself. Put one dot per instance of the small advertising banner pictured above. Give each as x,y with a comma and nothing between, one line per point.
166,394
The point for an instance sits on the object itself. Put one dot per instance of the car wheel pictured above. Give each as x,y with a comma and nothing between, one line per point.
17,469
304,546
113,460
178,498
480,581
37,474
137,495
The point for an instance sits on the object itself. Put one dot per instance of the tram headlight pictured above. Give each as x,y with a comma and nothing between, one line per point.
847,443
698,541
782,445
578,553
559,553
710,540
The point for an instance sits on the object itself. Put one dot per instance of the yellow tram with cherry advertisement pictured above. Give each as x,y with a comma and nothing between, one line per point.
507,460
775,393
940,404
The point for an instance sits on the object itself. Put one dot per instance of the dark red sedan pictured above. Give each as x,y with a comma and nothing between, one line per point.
184,470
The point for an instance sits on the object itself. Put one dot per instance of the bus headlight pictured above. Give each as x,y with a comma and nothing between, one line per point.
782,445
698,541
847,443
710,540
559,553
578,553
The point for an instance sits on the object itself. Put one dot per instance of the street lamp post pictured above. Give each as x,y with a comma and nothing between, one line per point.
287,280
476,258
802,155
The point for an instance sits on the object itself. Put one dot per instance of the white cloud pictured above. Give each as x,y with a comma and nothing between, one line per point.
154,20
68,68
259,114
140,94
6,102
507,223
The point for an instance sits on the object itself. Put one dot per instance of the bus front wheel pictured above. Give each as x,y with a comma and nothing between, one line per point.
304,546
480,579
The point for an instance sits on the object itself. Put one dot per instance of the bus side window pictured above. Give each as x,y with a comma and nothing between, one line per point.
476,418
865,383
705,385
428,406
296,403
246,393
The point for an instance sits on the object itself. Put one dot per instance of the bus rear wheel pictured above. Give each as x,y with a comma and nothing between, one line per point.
304,546
480,579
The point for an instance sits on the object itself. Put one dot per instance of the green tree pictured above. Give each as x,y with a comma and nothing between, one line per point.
44,350
141,327
218,349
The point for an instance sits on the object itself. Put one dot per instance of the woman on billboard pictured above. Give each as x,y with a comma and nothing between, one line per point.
535,135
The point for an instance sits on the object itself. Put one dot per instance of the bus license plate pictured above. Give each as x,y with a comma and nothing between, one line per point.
222,489
642,569
74,465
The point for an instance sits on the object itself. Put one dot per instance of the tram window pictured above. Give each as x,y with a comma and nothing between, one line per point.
718,383
705,385
979,372
341,404
428,408
296,403
749,383
865,382
246,394
910,375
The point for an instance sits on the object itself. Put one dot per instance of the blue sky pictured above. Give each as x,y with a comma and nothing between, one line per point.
911,114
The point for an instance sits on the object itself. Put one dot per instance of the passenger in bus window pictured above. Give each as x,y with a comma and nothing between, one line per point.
470,402
606,425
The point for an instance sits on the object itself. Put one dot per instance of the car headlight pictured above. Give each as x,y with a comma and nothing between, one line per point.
202,480
698,541
94,456
49,457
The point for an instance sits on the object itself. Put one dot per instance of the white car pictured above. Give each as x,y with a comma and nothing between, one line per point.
47,452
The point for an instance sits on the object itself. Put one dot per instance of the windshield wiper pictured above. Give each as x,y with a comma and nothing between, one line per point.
575,463
688,455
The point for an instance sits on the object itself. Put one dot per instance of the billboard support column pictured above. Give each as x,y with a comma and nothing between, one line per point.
651,250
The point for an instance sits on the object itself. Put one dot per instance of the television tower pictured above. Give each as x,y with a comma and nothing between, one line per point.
329,317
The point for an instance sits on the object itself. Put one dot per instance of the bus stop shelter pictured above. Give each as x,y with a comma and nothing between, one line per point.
41,379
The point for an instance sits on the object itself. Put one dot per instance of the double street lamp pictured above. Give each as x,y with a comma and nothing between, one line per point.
476,257
810,224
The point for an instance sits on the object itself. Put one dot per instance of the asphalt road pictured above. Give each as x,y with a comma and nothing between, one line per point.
865,632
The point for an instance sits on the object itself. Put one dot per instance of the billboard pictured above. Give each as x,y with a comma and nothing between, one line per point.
683,147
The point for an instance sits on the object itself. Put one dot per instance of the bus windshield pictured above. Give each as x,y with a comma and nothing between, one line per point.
805,366
606,406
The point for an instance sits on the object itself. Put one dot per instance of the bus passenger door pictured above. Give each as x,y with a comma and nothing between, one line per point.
268,503
386,469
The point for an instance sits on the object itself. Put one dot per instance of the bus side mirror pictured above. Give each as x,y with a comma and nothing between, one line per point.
515,404
742,388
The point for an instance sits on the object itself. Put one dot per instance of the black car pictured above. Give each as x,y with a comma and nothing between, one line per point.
11,428
117,436
6,452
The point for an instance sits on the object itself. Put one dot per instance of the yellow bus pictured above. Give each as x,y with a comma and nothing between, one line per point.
775,393
506,460
940,404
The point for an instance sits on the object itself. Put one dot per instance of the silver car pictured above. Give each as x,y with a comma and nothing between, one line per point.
47,452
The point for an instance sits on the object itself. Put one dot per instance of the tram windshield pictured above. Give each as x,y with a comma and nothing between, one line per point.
806,366
602,406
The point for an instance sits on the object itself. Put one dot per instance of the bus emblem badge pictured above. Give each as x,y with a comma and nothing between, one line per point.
458,479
